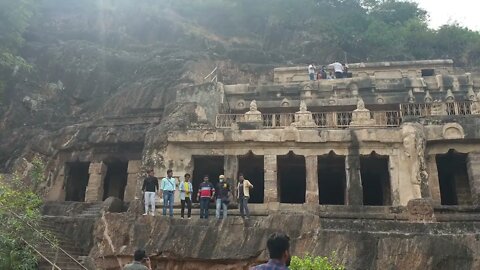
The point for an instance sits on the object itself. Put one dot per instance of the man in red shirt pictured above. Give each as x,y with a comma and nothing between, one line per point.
206,192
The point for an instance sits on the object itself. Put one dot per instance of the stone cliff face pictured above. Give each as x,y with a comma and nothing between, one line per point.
95,66
238,244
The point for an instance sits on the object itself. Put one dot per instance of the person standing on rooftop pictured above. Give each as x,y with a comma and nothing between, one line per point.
338,69
311,72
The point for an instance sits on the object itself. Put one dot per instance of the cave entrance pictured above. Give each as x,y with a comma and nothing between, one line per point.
291,176
76,181
375,180
331,179
115,179
252,168
206,165
453,178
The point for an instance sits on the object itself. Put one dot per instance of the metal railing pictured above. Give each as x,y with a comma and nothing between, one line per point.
321,119
212,74
49,241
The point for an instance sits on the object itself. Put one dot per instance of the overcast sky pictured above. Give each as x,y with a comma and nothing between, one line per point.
465,12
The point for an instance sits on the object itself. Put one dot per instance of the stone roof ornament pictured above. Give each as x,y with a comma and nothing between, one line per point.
285,102
253,106
253,115
449,97
428,98
360,104
303,106
304,118
471,94
411,97
361,116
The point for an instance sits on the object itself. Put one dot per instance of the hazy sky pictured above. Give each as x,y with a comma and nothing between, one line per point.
465,12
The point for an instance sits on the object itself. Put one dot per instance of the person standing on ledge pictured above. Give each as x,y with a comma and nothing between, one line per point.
168,187
338,69
223,189
149,188
278,245
206,192
139,258
186,190
243,190
311,72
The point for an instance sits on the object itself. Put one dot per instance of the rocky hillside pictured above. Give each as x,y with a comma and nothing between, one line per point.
96,59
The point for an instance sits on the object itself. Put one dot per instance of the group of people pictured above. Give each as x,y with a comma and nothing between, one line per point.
335,70
221,193
278,245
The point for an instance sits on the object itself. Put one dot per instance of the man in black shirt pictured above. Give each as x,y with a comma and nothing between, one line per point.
149,188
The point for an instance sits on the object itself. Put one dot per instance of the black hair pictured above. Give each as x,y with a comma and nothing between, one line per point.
277,244
187,174
169,171
149,170
206,175
240,174
139,255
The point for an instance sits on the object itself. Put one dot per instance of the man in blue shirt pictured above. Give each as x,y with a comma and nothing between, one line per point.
278,245
168,187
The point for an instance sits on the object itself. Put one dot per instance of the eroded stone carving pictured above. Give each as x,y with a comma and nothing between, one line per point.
438,108
253,115
453,131
414,143
303,118
411,97
475,107
361,116
449,97
428,98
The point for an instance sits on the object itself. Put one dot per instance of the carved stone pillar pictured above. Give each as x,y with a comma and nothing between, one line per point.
134,183
312,192
433,181
230,167
271,186
97,172
393,165
473,169
354,190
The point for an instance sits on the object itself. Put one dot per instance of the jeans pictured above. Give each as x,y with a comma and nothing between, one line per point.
312,76
244,206
338,75
150,200
189,206
221,205
167,199
204,203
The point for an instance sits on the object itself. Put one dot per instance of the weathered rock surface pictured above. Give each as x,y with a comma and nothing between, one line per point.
238,244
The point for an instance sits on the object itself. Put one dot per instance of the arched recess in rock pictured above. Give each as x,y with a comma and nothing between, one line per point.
252,168
291,177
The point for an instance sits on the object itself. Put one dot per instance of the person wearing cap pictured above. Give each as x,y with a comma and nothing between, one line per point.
222,191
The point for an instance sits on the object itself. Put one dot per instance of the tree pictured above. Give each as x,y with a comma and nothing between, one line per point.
20,215
315,263
14,20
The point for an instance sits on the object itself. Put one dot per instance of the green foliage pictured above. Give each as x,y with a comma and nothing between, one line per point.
20,214
315,263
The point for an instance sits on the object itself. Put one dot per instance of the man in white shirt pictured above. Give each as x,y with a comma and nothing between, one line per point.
311,72
338,69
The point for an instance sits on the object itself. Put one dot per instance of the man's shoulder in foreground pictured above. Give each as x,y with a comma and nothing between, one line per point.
135,266
270,265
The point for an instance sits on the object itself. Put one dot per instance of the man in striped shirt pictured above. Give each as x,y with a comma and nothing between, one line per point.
206,192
